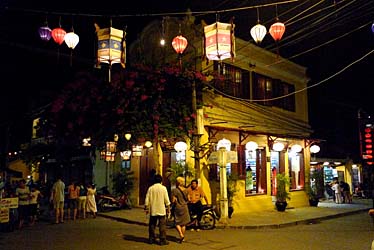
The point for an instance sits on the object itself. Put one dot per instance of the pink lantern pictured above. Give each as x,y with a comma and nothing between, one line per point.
45,33
277,30
58,35
179,44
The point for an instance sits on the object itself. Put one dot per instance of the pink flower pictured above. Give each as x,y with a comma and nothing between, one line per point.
143,97
193,116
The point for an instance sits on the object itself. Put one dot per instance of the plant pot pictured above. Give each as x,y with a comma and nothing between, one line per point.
313,202
231,210
281,205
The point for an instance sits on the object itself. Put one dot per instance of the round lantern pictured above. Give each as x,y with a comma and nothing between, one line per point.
224,143
258,32
251,146
180,146
58,35
315,149
179,44
71,39
296,148
45,33
277,30
278,146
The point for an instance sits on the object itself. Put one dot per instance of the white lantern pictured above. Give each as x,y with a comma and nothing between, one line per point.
278,146
315,149
296,148
224,143
258,32
71,39
251,146
180,146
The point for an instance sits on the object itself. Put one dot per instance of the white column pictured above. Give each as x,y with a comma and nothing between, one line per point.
222,159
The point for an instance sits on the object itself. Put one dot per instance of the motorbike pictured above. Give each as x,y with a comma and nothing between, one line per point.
208,218
107,202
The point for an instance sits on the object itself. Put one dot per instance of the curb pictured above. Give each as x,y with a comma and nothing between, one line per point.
294,223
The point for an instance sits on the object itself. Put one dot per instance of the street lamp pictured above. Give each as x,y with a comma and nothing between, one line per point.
223,146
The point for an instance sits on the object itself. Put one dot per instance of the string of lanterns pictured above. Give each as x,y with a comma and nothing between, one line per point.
219,40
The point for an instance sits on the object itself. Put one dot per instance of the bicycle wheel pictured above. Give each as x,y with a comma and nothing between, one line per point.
208,221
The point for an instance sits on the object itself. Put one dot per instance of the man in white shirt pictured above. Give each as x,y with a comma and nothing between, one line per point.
58,196
157,203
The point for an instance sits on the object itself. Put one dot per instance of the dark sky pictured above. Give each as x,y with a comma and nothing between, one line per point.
319,35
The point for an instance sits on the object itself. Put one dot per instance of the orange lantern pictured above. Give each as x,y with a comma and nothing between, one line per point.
58,35
277,30
179,44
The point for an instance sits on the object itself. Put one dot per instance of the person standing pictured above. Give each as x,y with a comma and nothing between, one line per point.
181,213
23,194
73,195
82,201
58,197
337,190
195,194
91,202
157,204
35,194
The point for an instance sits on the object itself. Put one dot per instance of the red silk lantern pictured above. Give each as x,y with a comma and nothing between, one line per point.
277,30
58,35
179,44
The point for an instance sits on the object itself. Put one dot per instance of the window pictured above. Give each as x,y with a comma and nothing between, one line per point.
255,169
296,170
267,88
236,80
277,166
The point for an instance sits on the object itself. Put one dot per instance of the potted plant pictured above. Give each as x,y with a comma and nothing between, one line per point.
315,188
282,195
231,191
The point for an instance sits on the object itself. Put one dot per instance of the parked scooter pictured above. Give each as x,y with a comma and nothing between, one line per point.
107,202
208,218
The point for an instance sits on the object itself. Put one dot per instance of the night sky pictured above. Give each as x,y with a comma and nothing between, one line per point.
319,35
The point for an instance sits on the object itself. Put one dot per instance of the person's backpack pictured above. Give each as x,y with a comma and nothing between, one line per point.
83,191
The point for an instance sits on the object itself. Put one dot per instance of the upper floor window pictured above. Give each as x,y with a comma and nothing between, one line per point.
236,80
267,88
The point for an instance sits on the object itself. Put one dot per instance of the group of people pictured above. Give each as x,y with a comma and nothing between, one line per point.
80,200
184,200
342,192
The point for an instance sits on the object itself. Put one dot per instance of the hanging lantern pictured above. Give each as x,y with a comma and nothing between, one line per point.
277,30
219,41
58,35
372,28
71,39
110,45
179,44
258,32
45,33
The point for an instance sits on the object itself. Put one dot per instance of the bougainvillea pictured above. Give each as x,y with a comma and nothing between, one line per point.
150,103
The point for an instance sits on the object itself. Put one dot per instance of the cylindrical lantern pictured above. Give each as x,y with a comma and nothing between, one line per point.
251,146
111,146
372,28
277,30
258,32
219,38
71,40
180,146
45,33
58,35
109,45
179,44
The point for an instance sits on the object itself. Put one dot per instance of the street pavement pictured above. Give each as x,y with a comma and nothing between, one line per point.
326,209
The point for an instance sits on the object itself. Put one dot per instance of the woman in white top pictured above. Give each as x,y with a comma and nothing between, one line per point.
91,202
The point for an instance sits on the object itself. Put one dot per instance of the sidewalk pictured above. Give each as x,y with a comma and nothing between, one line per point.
265,219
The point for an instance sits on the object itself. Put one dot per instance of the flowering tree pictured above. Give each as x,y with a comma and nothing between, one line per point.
151,103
